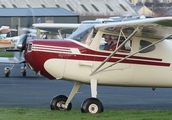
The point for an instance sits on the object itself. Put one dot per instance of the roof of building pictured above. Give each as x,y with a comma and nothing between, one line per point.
81,7
22,12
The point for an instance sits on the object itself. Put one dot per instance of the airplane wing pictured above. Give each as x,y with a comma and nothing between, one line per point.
157,28
57,27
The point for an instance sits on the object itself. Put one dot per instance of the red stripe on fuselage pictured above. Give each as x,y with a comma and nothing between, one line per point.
66,45
91,55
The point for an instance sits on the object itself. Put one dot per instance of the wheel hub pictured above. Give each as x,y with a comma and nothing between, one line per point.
60,105
93,108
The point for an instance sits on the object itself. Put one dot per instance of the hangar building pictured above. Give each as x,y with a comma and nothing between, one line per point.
19,18
86,9
22,13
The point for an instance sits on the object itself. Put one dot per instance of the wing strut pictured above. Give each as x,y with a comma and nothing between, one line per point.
96,71
126,40
60,33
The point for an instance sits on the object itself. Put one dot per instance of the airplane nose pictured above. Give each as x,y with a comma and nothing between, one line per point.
36,60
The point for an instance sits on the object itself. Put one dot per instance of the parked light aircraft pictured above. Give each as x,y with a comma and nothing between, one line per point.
6,42
5,29
141,58
18,55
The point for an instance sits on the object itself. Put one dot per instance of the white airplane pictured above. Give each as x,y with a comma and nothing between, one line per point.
18,55
6,42
141,59
5,29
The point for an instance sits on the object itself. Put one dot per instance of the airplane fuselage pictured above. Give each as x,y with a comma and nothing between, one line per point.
66,59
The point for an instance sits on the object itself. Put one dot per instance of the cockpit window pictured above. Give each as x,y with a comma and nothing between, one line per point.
82,33
112,42
143,44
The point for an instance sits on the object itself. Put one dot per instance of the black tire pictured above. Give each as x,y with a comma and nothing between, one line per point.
24,74
7,74
92,105
56,103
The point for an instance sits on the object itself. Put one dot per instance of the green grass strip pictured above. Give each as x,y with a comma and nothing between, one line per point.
6,54
75,114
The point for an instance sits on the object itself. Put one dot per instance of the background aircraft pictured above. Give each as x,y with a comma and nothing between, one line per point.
18,55
141,58
6,42
18,58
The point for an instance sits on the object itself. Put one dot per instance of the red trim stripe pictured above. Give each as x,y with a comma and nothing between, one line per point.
90,55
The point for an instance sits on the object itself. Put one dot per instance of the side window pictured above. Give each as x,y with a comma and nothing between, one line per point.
112,42
143,44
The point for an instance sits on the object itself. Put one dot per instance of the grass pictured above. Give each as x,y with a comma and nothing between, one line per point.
75,114
6,54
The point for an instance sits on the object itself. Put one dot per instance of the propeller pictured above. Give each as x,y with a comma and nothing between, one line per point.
22,41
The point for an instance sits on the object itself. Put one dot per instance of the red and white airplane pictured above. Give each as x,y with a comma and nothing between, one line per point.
141,58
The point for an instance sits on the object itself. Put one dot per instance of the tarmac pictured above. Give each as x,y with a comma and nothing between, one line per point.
37,91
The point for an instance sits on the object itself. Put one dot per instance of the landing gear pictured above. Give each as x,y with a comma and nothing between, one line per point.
7,71
92,105
24,73
23,70
58,103
61,102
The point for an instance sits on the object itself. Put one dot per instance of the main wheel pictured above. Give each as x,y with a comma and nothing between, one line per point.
7,74
24,73
7,71
58,102
92,105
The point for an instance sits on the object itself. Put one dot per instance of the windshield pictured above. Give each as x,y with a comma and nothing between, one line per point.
82,33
